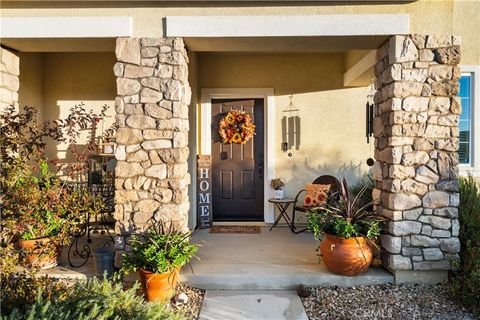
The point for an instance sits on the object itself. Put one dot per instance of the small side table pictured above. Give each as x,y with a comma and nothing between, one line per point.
282,205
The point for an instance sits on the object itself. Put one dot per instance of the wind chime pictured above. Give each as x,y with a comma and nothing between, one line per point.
290,128
369,114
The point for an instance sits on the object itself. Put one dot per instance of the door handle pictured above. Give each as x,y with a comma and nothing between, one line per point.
260,166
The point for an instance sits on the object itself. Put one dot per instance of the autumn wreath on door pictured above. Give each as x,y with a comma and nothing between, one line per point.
236,127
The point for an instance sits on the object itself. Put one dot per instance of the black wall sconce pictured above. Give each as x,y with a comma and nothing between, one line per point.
291,128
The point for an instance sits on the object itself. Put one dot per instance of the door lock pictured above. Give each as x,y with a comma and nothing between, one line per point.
260,165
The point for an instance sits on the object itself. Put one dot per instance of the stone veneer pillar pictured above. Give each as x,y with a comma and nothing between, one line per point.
9,81
416,142
151,177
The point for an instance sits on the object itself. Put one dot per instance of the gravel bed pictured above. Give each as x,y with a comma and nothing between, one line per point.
383,302
191,308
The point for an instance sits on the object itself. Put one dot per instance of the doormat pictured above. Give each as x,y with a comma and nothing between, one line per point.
236,229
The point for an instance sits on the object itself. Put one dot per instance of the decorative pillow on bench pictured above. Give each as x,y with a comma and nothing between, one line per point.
316,194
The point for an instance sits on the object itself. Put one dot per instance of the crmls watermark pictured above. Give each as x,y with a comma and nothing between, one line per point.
377,312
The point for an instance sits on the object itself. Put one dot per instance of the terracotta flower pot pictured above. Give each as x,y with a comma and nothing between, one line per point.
159,287
44,262
348,257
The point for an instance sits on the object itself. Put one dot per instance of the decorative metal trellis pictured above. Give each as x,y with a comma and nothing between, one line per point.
101,185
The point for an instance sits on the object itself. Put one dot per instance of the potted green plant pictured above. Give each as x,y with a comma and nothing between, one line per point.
38,209
158,255
277,185
346,227
44,211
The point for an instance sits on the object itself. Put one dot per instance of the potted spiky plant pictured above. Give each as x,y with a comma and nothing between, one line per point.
346,228
158,255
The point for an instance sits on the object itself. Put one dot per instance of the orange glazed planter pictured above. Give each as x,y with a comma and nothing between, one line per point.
348,257
45,262
159,286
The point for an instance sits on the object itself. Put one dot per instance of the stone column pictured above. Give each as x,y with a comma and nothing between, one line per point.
416,142
152,114
9,81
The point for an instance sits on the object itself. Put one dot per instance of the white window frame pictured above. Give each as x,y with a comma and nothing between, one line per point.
473,168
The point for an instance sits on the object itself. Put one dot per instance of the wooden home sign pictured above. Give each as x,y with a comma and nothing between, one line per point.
204,191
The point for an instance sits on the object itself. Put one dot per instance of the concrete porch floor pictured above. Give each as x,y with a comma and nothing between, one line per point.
86,271
272,260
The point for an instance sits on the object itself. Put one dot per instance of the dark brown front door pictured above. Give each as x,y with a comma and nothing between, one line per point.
237,170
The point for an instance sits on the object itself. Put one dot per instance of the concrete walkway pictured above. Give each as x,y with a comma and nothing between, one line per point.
255,305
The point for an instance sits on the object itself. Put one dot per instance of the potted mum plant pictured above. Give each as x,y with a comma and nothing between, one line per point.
277,185
346,228
158,255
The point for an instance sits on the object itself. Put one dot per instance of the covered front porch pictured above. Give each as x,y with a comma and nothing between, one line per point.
160,110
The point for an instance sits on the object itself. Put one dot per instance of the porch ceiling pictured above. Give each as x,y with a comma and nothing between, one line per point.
60,44
358,74
224,44
284,44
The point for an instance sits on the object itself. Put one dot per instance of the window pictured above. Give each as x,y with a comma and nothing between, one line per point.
465,124
469,122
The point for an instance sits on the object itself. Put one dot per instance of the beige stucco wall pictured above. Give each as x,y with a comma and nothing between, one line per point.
31,81
54,82
466,23
426,16
74,78
332,117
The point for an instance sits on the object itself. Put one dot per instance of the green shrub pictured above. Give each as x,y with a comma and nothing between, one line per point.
94,300
22,289
465,283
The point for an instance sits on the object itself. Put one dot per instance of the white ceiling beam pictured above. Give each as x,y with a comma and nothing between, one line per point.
285,26
360,74
65,27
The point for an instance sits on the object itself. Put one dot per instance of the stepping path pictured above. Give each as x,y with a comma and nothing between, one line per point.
255,305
